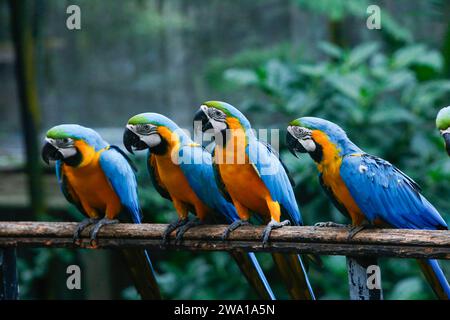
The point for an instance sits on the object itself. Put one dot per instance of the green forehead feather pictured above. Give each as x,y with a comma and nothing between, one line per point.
58,133
151,118
298,123
138,119
218,105
443,119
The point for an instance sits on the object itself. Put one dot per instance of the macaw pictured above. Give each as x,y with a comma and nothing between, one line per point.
250,174
443,124
365,188
181,172
98,179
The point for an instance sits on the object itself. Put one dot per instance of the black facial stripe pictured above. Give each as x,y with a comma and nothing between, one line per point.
74,160
317,154
161,148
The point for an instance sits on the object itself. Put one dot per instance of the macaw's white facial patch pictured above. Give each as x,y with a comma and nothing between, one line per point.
152,140
445,131
308,144
218,126
65,146
67,152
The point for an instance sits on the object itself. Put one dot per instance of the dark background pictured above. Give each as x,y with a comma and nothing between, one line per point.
276,60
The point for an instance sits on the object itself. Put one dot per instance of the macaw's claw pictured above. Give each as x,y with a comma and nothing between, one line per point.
181,231
171,227
98,226
236,224
330,224
270,226
80,227
356,229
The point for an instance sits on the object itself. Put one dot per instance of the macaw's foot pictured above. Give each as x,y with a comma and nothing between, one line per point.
80,227
236,224
171,227
270,226
356,229
181,231
98,226
330,224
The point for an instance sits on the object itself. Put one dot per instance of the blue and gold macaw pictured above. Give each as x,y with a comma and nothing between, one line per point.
251,175
99,180
181,171
367,189
443,124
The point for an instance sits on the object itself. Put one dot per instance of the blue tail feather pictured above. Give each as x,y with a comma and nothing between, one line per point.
261,275
307,279
439,274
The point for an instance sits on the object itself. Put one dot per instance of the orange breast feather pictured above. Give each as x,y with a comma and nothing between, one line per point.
91,186
239,176
330,169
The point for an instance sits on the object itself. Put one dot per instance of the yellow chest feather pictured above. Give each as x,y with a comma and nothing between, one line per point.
92,188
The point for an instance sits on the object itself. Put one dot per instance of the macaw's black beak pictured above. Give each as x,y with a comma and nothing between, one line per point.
200,116
447,142
131,139
50,152
294,145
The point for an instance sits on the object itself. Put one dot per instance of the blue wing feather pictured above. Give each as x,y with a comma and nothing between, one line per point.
196,164
274,176
384,192
123,180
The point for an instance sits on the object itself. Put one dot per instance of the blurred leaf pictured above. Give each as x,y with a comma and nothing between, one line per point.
407,55
432,59
331,49
316,70
407,289
392,115
361,53
350,84
398,79
241,76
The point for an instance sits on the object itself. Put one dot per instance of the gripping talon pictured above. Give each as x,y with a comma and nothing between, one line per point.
329,224
356,229
270,226
236,224
170,228
181,231
80,227
98,226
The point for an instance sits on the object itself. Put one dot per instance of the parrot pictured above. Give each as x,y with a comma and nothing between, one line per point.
250,174
99,180
367,189
181,171
443,125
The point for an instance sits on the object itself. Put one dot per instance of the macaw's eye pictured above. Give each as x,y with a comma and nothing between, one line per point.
216,114
64,142
145,129
302,133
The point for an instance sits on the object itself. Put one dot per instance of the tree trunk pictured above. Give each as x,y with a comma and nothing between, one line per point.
22,35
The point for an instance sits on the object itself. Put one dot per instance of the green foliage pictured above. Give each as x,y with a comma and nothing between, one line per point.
338,10
387,103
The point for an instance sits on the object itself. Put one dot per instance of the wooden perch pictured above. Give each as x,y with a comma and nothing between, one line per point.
321,241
